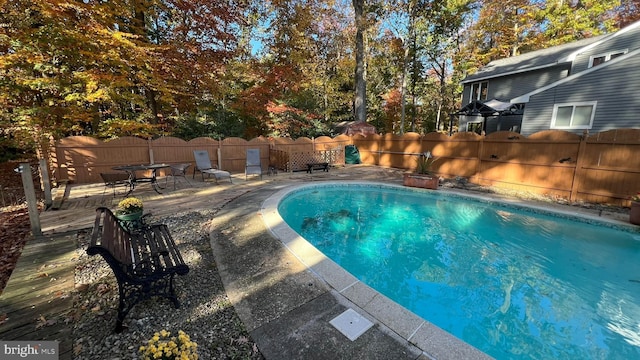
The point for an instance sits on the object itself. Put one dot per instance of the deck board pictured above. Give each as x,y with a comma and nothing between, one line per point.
37,303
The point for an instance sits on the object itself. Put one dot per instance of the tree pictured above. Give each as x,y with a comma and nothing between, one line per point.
563,21
503,29
441,41
360,100
137,61
408,14
148,68
627,13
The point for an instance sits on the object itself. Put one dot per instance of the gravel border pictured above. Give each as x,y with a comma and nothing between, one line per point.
205,314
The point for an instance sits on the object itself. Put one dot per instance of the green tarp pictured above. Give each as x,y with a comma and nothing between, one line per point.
351,155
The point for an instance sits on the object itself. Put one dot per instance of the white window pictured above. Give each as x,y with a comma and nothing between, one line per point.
479,91
602,58
573,116
475,126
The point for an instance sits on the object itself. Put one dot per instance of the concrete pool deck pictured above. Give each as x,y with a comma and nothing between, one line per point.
286,292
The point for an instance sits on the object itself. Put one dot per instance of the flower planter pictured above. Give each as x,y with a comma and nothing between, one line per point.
130,221
134,216
424,181
634,213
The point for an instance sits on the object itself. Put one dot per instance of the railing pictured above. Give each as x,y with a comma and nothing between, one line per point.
299,160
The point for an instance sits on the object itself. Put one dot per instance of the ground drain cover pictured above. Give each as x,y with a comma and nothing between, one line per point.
351,324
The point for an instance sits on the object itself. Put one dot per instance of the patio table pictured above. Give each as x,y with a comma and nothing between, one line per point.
131,170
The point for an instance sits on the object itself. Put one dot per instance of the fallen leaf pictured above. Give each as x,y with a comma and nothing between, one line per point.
77,349
102,288
41,321
242,340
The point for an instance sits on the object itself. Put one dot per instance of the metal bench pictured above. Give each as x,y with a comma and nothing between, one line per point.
144,261
317,166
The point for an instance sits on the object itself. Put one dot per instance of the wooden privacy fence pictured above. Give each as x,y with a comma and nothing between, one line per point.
81,159
599,168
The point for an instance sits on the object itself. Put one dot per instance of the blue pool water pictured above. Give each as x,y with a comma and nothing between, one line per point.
514,283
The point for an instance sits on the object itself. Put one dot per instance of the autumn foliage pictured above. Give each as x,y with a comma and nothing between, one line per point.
194,68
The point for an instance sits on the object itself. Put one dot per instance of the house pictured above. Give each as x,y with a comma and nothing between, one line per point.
590,84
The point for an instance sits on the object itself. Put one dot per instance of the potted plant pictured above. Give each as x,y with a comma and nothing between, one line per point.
129,209
634,212
423,176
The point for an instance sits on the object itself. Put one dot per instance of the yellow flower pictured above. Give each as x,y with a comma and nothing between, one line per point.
128,206
162,346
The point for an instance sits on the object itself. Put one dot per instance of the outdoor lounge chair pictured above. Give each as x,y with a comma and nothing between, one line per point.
203,165
253,165
177,170
114,179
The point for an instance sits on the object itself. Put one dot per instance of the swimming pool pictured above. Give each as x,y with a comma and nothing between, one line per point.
513,283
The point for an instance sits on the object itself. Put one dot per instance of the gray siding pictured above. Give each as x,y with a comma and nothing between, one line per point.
615,88
628,40
508,87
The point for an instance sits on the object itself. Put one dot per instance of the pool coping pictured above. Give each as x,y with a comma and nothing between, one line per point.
429,338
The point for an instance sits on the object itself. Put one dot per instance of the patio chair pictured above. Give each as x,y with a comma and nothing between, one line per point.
203,165
175,171
253,165
114,179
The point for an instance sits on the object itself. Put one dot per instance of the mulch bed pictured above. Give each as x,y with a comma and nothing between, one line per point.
14,221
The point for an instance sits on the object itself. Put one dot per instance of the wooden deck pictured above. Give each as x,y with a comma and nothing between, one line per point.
37,303
38,299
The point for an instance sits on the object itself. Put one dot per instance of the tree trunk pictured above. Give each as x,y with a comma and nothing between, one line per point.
441,100
414,98
403,91
153,105
360,101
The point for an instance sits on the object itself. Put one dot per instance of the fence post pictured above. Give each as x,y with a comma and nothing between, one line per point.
479,155
150,146
30,194
219,154
378,151
577,172
46,184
